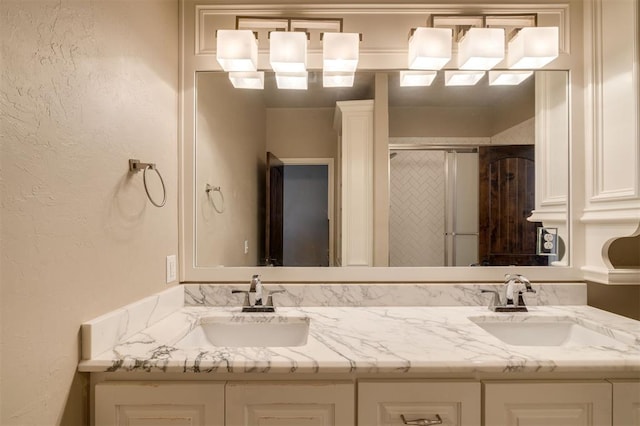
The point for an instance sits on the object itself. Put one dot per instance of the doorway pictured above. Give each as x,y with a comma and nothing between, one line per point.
303,213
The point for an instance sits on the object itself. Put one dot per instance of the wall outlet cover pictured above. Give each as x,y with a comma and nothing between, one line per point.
172,268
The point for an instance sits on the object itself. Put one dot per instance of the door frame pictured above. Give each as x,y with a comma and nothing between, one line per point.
330,182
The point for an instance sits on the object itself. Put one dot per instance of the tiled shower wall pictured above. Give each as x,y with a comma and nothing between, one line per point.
417,214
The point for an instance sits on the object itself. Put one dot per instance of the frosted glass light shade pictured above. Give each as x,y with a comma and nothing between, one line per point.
340,52
288,51
481,49
337,79
247,80
429,48
533,47
237,50
417,78
292,80
508,78
462,78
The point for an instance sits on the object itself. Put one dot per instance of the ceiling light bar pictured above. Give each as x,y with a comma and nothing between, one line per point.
533,47
288,51
508,78
247,80
340,52
237,50
337,79
417,78
430,48
481,48
462,78
292,80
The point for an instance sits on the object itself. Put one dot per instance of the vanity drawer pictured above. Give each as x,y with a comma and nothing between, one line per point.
584,403
384,403
289,404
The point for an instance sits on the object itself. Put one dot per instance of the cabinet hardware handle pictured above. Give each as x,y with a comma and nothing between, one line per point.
422,422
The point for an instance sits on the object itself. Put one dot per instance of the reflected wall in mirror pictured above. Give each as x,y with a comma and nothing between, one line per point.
476,173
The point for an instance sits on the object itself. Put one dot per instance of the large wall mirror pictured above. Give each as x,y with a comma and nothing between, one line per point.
477,175
466,181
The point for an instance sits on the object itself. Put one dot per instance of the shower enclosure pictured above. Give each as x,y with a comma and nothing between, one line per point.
433,218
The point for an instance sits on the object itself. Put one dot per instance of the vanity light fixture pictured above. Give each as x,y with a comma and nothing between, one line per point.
247,79
462,78
430,48
533,47
481,48
288,38
337,79
288,51
292,80
417,78
237,50
340,52
508,78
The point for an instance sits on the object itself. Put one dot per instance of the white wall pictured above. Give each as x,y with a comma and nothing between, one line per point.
85,86
301,132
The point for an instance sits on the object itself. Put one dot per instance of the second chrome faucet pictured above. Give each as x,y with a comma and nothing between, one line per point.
510,305
257,290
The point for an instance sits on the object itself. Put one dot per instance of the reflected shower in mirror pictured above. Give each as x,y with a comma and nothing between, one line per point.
478,175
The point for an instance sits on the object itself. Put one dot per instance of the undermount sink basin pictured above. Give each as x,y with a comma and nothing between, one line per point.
238,330
545,331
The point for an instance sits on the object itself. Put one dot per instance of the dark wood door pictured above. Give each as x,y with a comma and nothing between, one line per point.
274,210
506,199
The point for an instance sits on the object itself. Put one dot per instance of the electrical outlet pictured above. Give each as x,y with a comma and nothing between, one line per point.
246,246
172,268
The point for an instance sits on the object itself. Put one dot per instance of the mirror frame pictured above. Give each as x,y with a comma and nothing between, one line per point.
197,55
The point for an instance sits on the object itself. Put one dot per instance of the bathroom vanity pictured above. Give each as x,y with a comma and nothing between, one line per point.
438,354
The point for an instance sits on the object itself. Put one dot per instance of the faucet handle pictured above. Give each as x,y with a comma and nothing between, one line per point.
246,302
496,296
270,297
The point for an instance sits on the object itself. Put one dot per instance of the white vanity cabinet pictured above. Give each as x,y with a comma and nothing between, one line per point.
383,403
159,403
626,403
290,404
587,403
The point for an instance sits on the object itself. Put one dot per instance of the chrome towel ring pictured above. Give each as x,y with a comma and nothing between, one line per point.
135,166
209,189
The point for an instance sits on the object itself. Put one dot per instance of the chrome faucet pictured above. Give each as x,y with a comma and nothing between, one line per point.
510,280
257,289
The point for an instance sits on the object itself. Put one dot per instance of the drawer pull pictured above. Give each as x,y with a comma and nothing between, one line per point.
422,422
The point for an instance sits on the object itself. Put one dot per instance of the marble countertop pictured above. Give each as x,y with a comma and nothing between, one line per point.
372,339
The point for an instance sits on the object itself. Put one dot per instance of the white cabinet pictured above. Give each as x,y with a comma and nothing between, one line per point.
354,124
159,403
548,403
290,404
384,403
612,131
626,403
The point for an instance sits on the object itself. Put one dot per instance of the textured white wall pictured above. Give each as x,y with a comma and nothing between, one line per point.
85,86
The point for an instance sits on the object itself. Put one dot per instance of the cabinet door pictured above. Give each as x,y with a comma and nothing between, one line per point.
159,404
626,403
290,404
548,404
383,403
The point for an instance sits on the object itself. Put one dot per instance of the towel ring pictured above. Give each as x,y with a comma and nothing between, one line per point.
209,189
135,166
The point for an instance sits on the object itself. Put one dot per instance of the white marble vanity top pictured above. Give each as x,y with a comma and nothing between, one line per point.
345,339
